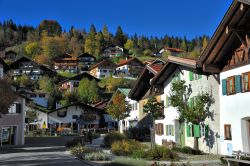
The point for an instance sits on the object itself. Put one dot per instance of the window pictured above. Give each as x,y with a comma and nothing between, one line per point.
204,130
15,108
227,132
134,106
189,130
74,116
230,85
246,82
159,129
170,130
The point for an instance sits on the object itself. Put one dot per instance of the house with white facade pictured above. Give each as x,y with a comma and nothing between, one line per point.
75,116
113,51
72,83
171,129
28,67
132,119
227,55
12,123
103,69
131,67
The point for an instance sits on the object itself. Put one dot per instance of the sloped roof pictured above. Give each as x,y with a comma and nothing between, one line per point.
80,77
124,61
170,66
225,40
88,107
176,50
102,62
125,91
26,59
142,85
86,55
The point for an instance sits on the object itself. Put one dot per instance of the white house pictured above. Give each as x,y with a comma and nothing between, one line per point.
12,123
170,129
75,116
72,83
129,67
103,69
132,119
227,54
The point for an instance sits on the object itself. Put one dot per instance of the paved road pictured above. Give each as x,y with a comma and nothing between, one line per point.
37,156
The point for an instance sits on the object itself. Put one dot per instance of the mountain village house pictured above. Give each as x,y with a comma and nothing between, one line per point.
12,123
129,67
171,51
28,67
72,83
170,129
103,69
66,63
113,51
85,61
142,90
227,56
132,119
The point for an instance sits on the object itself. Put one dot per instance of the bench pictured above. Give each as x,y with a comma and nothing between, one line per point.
237,160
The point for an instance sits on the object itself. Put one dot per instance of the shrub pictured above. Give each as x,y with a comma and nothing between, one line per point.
126,147
112,137
80,151
97,156
161,153
139,154
187,150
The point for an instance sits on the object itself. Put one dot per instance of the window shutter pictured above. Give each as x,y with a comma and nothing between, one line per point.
178,77
191,76
206,131
166,129
188,130
18,108
224,87
191,102
172,130
197,132
238,83
161,129
167,102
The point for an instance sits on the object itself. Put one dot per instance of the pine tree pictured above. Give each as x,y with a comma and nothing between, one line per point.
120,38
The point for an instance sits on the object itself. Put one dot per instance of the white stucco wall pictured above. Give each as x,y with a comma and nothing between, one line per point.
16,120
204,84
133,117
72,110
235,111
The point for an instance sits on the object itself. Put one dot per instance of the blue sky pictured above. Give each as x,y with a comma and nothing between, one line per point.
148,17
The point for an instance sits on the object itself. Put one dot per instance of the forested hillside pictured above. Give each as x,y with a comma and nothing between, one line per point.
47,40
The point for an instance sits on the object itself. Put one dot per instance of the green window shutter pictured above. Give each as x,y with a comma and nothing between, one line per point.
178,77
172,130
191,102
199,76
206,131
238,83
224,87
197,131
167,101
188,130
166,129
191,76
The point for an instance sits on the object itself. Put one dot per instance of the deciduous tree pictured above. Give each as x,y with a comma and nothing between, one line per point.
7,96
194,113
